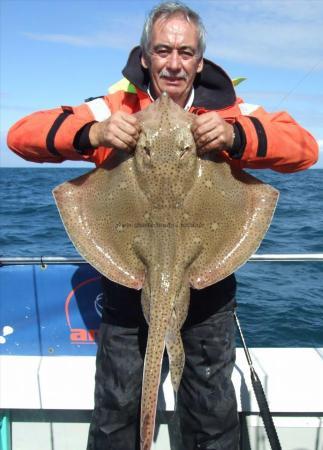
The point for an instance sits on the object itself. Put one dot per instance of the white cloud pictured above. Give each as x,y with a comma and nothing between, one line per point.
80,41
120,35
271,33
104,39
274,33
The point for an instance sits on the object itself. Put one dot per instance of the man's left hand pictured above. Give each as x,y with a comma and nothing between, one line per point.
212,133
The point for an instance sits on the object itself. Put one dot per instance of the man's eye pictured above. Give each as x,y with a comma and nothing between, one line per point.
187,54
162,53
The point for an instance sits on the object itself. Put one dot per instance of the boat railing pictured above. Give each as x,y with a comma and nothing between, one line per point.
266,257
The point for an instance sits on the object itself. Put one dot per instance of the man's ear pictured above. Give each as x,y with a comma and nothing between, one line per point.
144,61
200,65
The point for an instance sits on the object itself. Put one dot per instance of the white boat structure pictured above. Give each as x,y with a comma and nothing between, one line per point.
49,313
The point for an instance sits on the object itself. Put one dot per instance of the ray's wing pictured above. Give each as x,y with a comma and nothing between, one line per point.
100,211
230,213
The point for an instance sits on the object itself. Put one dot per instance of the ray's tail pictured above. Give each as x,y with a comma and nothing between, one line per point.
151,377
151,380
165,310
176,355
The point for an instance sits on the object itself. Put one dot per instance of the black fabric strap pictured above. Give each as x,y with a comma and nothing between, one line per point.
262,138
260,396
53,130
81,142
239,143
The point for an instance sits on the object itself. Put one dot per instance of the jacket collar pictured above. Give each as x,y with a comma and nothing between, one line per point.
213,89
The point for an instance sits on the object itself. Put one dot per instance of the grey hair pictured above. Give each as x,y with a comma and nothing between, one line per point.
165,10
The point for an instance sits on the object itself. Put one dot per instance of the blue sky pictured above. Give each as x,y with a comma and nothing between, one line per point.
61,52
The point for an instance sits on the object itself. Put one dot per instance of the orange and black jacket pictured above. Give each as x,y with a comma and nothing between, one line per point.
263,140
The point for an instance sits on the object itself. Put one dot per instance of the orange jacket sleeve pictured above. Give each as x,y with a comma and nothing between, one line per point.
274,141
49,136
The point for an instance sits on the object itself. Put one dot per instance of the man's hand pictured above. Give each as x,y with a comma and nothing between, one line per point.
212,133
120,131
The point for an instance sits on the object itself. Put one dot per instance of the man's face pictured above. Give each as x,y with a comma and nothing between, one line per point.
174,61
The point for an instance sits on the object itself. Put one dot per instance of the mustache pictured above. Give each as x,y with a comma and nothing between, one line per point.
165,73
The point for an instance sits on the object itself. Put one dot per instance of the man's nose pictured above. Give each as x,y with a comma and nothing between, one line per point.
174,61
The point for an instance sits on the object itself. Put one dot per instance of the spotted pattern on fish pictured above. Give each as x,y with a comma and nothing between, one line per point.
164,220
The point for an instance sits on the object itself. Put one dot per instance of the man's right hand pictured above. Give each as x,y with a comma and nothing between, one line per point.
120,131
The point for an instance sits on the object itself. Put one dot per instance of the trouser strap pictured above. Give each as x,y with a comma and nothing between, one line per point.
260,396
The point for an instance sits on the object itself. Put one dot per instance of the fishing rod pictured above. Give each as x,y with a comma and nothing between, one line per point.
260,396
299,82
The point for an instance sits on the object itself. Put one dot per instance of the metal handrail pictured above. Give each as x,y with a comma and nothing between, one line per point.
268,257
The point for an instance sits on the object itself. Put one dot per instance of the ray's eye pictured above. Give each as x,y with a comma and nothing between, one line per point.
146,150
185,150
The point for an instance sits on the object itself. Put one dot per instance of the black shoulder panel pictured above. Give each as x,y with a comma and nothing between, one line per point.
93,98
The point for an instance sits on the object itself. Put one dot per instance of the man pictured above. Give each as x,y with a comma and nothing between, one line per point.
170,59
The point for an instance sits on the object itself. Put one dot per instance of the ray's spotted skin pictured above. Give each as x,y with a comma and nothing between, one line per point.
164,220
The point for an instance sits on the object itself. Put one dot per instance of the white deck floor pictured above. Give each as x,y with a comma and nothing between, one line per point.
292,379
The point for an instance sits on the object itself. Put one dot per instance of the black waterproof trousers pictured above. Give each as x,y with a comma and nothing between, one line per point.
206,413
